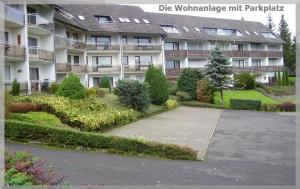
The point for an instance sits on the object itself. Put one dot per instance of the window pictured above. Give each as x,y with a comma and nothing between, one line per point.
146,21
102,61
32,42
273,61
6,37
75,36
76,60
169,28
125,20
171,46
255,33
136,20
222,32
172,64
142,40
7,73
195,46
98,39
247,32
143,60
185,28
256,62
197,29
124,39
196,63
239,63
125,60
82,18
237,47
256,47
210,31
104,19
69,59
268,35
274,47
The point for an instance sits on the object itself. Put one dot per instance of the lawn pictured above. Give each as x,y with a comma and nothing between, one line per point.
242,94
283,90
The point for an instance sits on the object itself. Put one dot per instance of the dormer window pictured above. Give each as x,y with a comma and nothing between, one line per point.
238,33
255,33
136,20
197,29
104,19
146,21
124,20
247,32
268,35
169,28
80,17
185,28
211,31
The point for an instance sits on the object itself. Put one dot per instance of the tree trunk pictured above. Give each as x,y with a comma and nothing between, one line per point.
222,99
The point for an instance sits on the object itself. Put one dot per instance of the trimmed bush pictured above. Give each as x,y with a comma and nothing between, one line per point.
133,94
270,107
71,87
204,91
15,91
171,104
287,107
238,104
91,92
59,136
53,88
195,103
183,96
187,81
158,85
244,81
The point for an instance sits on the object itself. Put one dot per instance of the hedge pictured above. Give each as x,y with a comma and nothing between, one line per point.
16,130
238,104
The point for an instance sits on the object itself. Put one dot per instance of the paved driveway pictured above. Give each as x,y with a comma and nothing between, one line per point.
248,148
185,126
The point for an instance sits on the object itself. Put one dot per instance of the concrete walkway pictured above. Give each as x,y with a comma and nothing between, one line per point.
184,126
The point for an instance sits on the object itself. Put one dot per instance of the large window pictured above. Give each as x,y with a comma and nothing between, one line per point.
124,39
76,60
99,39
169,28
237,47
268,35
125,60
7,73
172,64
239,63
195,46
256,47
142,40
104,19
171,46
143,60
274,47
102,61
210,31
273,61
69,59
256,62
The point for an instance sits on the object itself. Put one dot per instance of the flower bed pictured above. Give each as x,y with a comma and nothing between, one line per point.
88,114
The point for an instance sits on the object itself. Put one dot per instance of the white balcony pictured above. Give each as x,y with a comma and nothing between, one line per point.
13,17
39,25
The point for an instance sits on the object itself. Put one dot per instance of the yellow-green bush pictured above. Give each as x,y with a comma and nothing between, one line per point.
171,104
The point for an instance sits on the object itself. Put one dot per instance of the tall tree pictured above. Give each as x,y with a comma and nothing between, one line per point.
285,34
218,70
293,56
270,24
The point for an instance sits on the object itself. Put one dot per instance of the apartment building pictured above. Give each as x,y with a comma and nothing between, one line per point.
119,41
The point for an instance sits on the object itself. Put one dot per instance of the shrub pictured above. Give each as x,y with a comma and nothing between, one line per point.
87,114
61,136
71,87
15,91
270,107
101,93
53,88
24,107
187,81
183,96
158,85
105,83
172,89
245,104
91,92
171,104
7,101
133,94
204,91
21,168
105,90
244,81
287,107
200,104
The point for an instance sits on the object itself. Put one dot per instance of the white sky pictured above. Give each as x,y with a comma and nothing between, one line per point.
289,14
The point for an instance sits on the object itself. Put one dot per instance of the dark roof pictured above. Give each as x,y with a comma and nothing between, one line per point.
157,19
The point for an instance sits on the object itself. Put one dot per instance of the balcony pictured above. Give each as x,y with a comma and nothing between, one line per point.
198,53
13,17
143,48
102,47
175,54
13,52
259,53
37,54
275,54
173,72
61,40
62,67
138,68
112,69
257,69
77,45
77,68
235,53
39,25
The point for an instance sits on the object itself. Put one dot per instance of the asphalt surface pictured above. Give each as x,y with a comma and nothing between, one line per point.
247,148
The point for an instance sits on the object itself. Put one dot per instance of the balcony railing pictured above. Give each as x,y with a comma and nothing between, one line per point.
103,47
61,40
37,54
62,67
13,51
257,69
275,54
77,44
235,53
140,47
259,53
14,15
140,68
105,69
198,53
40,22
175,54
77,68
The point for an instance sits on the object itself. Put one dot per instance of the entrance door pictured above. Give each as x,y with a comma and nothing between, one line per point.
96,81
34,78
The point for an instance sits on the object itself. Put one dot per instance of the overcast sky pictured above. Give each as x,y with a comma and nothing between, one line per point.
289,14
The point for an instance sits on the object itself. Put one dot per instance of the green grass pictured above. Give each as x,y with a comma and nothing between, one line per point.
283,90
242,94
42,118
